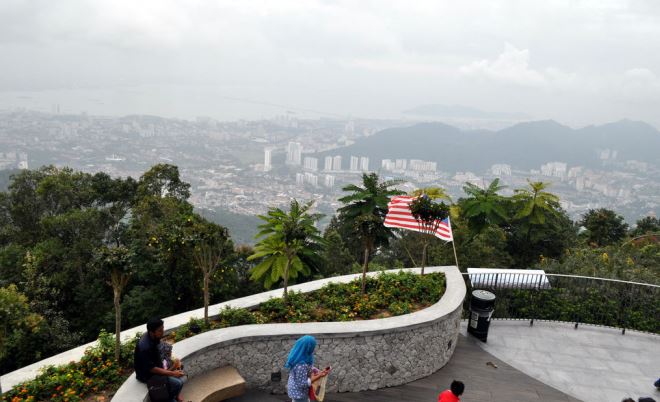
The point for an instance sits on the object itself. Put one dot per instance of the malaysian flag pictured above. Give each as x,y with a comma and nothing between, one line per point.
399,216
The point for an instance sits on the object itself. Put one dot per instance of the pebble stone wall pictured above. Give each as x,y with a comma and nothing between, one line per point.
360,362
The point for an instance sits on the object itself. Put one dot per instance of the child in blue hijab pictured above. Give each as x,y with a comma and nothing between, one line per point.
301,365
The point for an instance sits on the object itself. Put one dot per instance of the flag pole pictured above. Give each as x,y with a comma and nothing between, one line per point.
453,244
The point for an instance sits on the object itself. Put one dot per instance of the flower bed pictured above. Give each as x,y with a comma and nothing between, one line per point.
95,374
387,295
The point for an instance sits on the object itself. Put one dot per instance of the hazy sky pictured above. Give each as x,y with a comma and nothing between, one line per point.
579,62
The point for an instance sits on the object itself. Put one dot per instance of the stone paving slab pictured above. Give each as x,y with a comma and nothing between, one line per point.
483,383
594,364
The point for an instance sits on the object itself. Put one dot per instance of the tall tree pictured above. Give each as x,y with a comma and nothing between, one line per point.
211,243
483,207
364,211
428,214
604,226
289,245
649,225
116,262
163,180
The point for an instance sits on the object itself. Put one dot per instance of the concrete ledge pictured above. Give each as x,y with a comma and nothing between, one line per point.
367,354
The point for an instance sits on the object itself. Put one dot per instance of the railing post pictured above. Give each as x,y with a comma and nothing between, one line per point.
577,310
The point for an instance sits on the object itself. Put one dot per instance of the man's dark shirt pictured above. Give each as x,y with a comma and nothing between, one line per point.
146,357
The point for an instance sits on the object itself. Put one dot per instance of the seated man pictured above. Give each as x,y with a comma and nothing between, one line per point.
147,361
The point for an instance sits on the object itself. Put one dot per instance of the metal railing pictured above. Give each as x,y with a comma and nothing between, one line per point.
570,298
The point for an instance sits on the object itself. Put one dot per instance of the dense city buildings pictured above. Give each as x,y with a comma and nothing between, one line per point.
247,166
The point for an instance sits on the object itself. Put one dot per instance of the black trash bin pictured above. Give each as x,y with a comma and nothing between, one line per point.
482,305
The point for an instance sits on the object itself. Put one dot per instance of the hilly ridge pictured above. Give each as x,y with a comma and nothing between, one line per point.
523,146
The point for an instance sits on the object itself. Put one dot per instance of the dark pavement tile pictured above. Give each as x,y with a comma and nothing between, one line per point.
483,383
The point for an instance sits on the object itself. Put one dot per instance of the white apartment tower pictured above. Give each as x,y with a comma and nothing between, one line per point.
268,156
354,164
311,163
364,163
294,153
328,164
336,163
329,181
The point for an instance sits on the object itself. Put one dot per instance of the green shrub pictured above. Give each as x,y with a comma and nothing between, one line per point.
399,308
231,317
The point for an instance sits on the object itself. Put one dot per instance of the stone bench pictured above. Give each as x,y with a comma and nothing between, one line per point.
215,385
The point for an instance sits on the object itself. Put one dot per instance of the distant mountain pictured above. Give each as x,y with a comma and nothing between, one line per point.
524,145
461,112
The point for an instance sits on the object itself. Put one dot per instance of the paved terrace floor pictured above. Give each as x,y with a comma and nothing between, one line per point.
483,383
593,364
590,364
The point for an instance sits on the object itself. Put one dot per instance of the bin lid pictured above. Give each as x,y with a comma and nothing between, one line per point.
483,295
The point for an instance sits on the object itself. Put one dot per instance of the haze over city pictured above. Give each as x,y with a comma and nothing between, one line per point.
578,62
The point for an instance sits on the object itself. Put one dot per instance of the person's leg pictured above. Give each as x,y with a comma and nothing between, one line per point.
175,386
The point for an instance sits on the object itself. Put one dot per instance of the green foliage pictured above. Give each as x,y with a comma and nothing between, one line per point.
428,212
363,215
289,247
60,235
483,207
190,328
647,225
534,205
337,257
72,382
231,317
604,226
163,180
629,263
21,330
574,302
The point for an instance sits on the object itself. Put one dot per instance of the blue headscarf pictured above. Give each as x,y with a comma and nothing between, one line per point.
302,352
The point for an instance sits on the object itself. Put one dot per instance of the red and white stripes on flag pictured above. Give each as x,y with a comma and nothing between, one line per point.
399,216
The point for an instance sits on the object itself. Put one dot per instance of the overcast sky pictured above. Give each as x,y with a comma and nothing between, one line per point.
578,62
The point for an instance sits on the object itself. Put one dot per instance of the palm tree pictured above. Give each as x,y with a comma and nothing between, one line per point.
364,210
534,204
484,207
289,247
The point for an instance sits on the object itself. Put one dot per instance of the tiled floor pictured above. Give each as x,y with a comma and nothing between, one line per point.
591,363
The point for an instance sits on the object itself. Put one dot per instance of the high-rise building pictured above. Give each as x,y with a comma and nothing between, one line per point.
311,163
364,163
336,163
294,153
423,166
268,155
329,181
387,164
554,169
401,164
312,179
501,169
300,179
354,164
328,164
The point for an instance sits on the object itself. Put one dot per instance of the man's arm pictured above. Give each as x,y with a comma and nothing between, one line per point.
167,373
